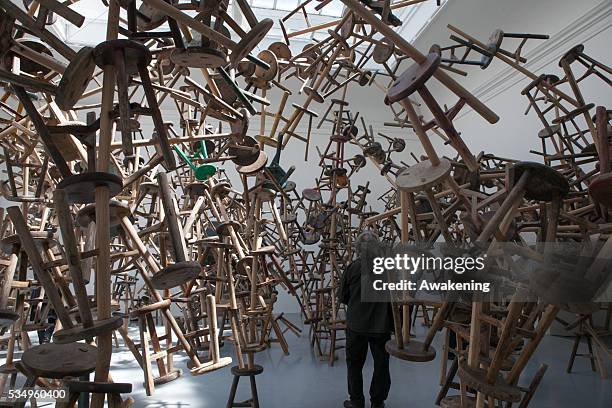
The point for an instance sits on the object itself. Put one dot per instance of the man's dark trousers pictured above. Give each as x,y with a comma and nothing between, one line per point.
356,353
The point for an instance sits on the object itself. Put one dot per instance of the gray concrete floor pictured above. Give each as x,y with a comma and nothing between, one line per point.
300,380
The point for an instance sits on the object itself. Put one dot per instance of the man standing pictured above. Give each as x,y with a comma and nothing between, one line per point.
368,323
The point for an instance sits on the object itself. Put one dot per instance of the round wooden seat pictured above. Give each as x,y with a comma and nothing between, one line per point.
251,40
303,109
266,194
196,189
289,186
117,209
476,378
314,94
246,153
600,189
572,54
80,332
545,133
199,57
311,194
311,238
289,218
75,79
7,318
175,275
57,361
267,74
281,50
243,264
41,239
81,188
544,181
412,79
150,308
221,189
149,17
254,167
244,372
493,45
246,68
412,351
134,54
223,227
423,175
29,66
382,51
8,370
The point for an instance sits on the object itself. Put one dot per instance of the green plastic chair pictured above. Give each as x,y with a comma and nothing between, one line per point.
203,172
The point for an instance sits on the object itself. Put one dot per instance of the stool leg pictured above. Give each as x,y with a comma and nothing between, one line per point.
232,395
255,398
570,363
146,358
332,348
591,353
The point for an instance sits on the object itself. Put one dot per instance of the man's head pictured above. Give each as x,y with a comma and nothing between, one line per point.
367,244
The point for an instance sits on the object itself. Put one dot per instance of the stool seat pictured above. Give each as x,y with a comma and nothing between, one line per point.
476,378
311,194
57,361
423,175
247,371
81,188
7,318
250,40
412,351
134,54
199,57
222,228
175,275
600,189
75,79
413,78
281,50
382,52
117,209
41,238
256,166
267,74
80,332
543,183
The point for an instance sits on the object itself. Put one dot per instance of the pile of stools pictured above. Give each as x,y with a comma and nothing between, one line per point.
181,242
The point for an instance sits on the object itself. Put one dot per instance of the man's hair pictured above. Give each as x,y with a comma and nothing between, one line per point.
366,242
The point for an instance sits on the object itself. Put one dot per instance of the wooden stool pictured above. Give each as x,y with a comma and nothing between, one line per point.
146,325
238,372
57,361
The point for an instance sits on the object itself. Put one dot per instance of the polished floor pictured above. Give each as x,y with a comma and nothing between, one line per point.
300,380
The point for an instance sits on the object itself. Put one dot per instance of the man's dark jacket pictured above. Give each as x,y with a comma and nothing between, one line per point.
363,317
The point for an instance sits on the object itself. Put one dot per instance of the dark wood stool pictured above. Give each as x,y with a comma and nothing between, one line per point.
244,372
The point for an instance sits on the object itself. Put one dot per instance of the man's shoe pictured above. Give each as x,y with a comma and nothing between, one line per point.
381,405
351,404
